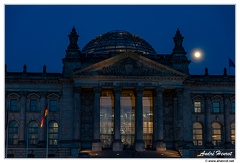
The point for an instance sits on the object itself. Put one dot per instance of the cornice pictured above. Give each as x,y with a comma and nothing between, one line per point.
151,78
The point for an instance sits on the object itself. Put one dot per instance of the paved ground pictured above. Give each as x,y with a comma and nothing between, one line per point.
133,154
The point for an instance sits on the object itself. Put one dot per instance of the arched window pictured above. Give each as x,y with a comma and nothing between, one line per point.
53,133
197,134
233,133
216,134
33,132
13,133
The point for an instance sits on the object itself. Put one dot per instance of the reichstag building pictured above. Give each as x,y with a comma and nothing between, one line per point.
117,93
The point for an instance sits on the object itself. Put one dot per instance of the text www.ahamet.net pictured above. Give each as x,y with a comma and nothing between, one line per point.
219,160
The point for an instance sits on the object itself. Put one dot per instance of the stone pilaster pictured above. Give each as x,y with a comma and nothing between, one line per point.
227,107
117,144
180,125
208,128
22,127
96,145
139,143
160,145
76,115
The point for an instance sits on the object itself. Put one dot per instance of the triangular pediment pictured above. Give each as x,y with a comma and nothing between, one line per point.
129,64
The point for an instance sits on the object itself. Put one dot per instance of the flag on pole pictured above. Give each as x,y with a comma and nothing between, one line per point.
231,63
44,115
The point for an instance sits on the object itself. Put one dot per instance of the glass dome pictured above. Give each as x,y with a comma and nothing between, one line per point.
116,42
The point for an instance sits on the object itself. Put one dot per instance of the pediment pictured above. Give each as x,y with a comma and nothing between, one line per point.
129,64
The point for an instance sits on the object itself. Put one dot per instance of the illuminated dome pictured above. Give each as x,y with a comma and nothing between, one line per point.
118,41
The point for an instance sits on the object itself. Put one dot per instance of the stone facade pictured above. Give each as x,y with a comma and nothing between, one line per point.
73,97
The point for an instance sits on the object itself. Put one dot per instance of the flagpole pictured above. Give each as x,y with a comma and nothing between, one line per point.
47,138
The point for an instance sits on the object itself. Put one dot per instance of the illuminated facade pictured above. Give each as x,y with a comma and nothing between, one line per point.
118,93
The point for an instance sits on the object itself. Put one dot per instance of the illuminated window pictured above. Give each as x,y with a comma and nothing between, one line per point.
53,133
197,107
147,102
13,105
33,133
233,133
216,134
197,134
216,107
13,133
33,105
127,117
106,118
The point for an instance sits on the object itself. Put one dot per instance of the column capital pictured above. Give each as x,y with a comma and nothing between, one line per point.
159,90
23,93
117,89
227,96
77,89
208,95
139,90
179,91
97,89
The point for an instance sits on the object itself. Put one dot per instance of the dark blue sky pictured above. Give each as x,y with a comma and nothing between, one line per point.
38,35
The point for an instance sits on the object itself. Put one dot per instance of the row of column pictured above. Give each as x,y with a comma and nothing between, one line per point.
139,143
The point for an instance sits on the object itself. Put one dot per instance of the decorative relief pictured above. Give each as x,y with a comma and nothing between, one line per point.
130,67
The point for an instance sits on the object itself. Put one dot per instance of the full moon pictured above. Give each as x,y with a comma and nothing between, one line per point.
197,54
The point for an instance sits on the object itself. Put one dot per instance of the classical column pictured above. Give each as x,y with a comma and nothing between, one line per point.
117,144
22,127
207,126
139,143
160,145
96,145
76,115
227,126
42,133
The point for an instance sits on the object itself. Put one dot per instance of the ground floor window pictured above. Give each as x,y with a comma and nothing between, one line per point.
233,133
216,134
197,134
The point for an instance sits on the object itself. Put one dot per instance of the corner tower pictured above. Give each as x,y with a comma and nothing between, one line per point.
72,57
179,59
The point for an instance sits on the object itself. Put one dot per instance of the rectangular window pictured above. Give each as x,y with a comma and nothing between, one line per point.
216,107
197,107
13,105
233,107
33,105
53,105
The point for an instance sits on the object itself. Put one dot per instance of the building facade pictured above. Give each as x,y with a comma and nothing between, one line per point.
118,93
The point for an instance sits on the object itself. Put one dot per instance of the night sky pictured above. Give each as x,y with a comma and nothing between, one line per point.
38,34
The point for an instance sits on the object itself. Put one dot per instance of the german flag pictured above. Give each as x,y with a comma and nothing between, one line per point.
44,115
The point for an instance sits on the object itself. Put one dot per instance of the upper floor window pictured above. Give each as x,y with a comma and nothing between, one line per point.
197,107
33,105
53,105
13,104
216,107
13,133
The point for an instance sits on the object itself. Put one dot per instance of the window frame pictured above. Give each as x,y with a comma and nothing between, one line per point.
13,133
195,134
53,141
